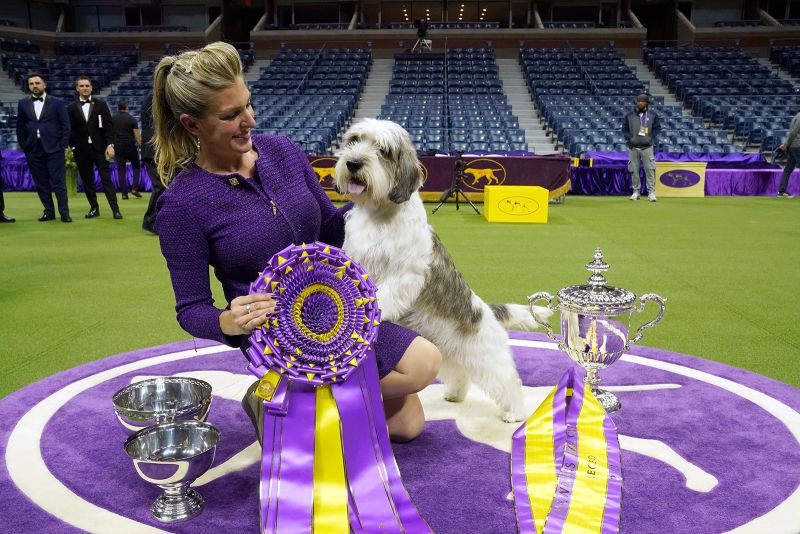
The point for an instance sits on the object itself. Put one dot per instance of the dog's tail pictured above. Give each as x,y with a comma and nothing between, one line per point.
518,316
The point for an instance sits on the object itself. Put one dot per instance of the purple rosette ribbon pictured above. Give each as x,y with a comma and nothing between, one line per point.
327,463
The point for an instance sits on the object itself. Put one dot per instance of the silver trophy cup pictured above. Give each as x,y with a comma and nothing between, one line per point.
172,456
595,324
162,400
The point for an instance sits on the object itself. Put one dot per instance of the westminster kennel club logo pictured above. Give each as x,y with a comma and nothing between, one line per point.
680,178
323,167
518,205
705,448
481,172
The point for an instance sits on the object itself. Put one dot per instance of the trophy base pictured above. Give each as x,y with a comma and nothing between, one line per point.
607,400
170,509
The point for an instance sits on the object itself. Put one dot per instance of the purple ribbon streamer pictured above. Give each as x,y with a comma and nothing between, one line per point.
611,513
522,501
270,469
568,420
294,479
379,499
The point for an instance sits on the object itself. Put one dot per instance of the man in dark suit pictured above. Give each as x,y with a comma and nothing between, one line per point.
92,141
43,134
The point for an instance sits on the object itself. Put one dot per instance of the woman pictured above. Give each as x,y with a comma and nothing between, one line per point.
238,200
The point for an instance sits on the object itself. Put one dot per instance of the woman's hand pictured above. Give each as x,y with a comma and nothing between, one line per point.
247,313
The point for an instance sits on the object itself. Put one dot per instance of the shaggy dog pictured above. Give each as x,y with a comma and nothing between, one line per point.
419,287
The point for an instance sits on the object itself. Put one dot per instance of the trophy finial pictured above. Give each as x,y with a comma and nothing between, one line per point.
597,267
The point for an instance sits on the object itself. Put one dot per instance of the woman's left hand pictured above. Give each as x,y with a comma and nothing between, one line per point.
247,313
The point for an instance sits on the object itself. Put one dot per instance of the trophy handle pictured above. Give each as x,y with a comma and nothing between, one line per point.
661,306
548,298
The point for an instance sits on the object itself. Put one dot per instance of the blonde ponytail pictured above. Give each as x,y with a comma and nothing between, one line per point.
186,83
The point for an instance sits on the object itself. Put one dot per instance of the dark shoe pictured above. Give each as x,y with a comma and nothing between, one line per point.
124,196
117,215
4,219
94,212
66,218
785,195
136,193
254,408
47,217
149,228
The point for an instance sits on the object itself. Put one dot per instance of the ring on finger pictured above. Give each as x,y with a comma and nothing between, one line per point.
248,308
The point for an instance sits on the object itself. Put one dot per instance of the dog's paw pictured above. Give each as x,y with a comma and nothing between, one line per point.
455,396
513,417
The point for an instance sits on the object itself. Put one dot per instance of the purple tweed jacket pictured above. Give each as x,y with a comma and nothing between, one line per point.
236,225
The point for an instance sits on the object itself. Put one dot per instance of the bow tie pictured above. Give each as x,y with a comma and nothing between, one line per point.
84,102
37,98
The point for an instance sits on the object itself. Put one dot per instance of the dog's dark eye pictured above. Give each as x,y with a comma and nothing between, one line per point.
384,152
352,140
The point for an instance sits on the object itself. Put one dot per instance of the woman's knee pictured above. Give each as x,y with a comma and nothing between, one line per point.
425,362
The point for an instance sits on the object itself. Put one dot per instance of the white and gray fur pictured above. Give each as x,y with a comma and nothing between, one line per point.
419,287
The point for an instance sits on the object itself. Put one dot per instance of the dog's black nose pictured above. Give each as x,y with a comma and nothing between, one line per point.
353,166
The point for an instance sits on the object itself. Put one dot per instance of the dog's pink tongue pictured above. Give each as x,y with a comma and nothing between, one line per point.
355,189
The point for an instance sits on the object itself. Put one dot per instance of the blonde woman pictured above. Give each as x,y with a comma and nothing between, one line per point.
238,199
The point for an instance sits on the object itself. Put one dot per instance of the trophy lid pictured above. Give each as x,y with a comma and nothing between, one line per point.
595,296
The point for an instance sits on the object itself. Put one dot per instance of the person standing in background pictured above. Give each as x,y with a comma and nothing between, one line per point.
148,159
126,137
92,141
3,218
792,148
43,134
641,126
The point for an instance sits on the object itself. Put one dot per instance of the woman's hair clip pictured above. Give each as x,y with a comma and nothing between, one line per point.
188,69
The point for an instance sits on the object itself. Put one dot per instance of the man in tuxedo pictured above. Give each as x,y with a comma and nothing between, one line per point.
92,141
43,134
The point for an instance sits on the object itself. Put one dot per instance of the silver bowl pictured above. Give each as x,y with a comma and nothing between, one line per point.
172,456
162,400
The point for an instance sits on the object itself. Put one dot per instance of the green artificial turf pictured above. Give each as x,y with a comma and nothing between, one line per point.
74,293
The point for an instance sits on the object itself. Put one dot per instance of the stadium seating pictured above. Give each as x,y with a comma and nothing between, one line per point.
310,94
730,89
584,94
453,102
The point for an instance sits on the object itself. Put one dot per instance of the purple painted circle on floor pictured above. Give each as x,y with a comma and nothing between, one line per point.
707,414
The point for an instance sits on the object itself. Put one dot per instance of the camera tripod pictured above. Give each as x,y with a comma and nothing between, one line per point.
422,45
455,191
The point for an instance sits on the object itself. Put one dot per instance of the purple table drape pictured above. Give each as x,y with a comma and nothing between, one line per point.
712,159
15,176
610,180
747,182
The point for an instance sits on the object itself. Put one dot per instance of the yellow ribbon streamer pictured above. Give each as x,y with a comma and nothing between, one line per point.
587,504
330,488
591,481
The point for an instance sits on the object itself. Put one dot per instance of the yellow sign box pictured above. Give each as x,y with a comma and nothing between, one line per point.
675,179
515,203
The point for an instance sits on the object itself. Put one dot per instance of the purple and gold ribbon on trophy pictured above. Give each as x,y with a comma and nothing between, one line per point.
565,464
327,463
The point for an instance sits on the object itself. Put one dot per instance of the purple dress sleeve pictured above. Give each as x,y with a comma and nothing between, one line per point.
186,250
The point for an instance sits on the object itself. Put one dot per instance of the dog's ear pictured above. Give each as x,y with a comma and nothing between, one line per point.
408,177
